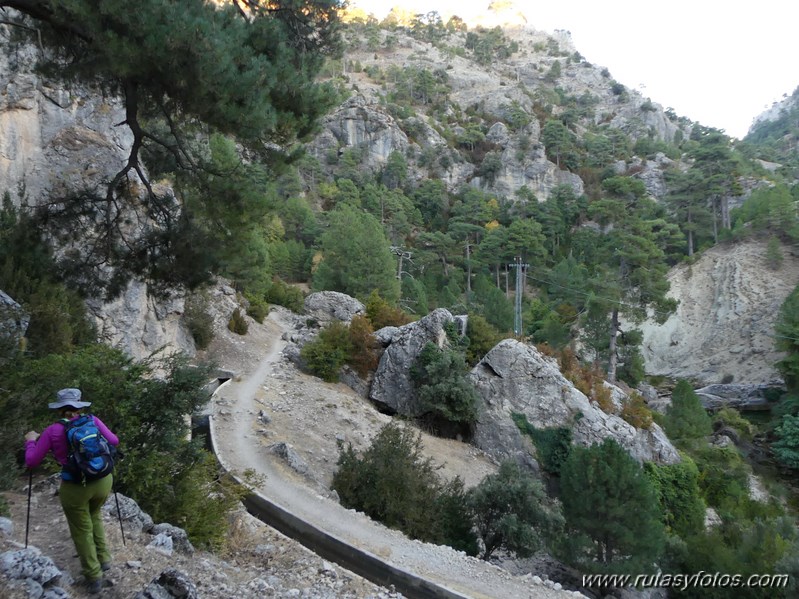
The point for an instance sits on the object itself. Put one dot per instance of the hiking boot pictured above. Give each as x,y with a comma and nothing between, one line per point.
105,566
95,586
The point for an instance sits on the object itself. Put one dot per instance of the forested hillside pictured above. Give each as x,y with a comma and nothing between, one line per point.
412,164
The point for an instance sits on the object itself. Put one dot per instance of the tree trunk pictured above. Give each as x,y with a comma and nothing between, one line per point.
690,234
612,358
715,221
725,213
468,273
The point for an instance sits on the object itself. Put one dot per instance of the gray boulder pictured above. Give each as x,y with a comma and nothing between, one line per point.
741,397
170,584
31,567
327,306
133,518
180,539
516,378
292,458
391,387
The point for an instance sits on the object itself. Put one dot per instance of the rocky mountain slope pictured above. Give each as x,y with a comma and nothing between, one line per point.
259,561
723,327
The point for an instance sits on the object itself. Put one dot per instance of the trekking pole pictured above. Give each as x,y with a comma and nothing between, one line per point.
28,519
119,515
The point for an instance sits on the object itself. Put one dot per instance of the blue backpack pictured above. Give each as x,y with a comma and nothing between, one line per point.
90,454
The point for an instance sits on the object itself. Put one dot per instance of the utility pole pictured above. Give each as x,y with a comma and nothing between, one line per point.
521,268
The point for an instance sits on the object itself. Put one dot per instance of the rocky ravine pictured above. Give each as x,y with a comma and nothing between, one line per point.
724,324
270,405
271,410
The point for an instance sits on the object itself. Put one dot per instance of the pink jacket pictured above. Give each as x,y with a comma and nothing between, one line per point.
53,439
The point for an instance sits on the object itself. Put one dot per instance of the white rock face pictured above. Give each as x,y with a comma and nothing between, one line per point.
724,324
138,324
55,140
516,378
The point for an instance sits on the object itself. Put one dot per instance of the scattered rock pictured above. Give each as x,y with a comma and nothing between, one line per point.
291,457
170,583
743,398
180,540
31,567
162,543
129,512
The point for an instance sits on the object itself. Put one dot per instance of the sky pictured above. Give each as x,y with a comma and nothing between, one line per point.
717,62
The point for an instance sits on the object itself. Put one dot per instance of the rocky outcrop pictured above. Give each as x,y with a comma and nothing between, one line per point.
37,574
13,319
139,324
392,388
515,378
54,139
744,398
361,123
326,306
723,329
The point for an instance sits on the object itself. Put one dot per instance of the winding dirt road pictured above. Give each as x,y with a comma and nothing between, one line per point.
243,441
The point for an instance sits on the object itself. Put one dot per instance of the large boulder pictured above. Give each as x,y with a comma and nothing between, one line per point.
392,388
516,378
326,306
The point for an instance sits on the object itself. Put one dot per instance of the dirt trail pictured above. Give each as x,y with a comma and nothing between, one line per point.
310,416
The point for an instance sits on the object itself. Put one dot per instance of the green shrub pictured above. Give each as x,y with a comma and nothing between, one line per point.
238,323
552,444
326,354
723,476
786,448
382,314
199,322
393,483
686,418
482,338
511,511
257,308
445,394
730,417
286,295
677,488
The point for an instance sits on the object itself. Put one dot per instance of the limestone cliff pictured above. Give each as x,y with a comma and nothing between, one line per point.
55,140
723,329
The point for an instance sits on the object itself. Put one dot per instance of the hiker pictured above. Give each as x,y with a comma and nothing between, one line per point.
80,498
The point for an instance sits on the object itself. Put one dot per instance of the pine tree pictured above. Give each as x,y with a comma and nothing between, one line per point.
185,71
686,418
611,508
630,258
356,257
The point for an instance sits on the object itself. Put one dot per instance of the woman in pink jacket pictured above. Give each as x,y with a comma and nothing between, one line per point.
81,500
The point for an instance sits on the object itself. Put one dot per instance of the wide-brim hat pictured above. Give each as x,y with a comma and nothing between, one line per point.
68,397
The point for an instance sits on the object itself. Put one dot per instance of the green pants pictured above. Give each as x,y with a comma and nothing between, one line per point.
82,505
